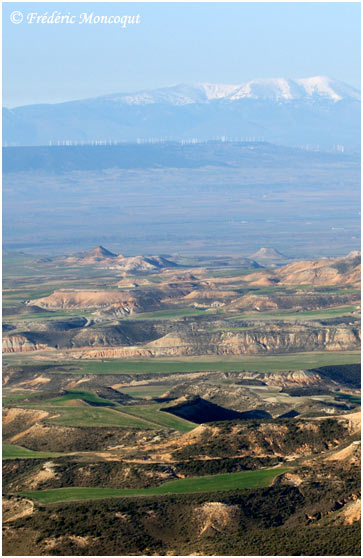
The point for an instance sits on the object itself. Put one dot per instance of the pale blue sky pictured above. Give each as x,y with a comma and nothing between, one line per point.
175,43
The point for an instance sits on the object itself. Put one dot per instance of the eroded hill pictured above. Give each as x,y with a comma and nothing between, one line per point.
189,411
304,306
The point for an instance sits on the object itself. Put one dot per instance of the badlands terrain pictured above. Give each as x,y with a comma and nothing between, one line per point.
164,405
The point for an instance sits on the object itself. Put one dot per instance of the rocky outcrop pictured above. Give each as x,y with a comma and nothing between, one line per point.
296,302
14,508
335,271
344,511
20,344
216,517
116,352
296,338
126,302
18,421
262,340
131,339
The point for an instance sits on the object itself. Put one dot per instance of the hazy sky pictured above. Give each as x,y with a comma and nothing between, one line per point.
174,43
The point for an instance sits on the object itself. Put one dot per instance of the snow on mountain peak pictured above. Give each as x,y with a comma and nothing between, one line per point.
324,86
217,90
291,89
271,89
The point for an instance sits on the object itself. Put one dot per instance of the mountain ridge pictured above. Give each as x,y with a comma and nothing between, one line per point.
260,88
263,88
315,110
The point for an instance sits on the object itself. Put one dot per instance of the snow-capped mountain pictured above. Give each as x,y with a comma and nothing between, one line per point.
272,89
315,111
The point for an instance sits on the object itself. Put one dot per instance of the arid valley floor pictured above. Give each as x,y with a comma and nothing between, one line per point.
169,405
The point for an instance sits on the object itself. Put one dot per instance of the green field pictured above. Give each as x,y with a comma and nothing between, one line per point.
17,398
356,399
17,452
49,315
229,272
74,395
28,294
147,390
212,483
270,363
155,415
73,410
96,416
169,314
288,315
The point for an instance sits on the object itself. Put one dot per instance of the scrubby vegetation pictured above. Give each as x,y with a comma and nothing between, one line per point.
268,521
348,374
272,437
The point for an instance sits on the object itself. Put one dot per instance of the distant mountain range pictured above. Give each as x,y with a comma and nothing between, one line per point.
278,89
315,111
